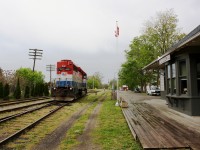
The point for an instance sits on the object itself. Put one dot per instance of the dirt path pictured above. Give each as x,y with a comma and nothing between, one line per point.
85,138
52,141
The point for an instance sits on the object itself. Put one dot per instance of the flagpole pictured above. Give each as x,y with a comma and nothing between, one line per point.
116,35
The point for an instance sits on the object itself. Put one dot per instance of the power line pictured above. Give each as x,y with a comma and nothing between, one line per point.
35,54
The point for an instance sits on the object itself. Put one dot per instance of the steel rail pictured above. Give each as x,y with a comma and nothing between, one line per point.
22,101
4,119
17,108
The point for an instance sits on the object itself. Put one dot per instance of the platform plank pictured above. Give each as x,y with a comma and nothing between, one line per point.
156,131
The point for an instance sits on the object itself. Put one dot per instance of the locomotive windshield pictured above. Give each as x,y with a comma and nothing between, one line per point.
63,69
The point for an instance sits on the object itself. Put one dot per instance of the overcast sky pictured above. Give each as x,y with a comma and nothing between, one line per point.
80,30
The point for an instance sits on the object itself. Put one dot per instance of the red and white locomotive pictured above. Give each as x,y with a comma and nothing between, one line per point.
70,82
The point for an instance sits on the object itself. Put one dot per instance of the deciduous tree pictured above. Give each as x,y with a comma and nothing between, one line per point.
158,36
95,81
162,31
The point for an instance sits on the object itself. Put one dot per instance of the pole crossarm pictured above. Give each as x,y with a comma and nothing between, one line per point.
35,53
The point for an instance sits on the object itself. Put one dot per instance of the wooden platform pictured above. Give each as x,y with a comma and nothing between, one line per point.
157,131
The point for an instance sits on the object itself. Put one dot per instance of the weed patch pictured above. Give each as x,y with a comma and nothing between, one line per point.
76,130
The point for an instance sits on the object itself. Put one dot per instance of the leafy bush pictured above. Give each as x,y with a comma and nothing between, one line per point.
17,93
6,92
1,90
27,92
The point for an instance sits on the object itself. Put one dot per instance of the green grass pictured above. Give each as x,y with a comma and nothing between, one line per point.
77,129
112,131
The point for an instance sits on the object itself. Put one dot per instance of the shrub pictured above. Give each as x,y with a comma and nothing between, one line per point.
27,92
17,93
1,90
6,92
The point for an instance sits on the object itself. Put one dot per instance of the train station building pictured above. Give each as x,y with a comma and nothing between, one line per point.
179,71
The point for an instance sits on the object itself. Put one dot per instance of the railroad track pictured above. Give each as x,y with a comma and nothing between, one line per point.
7,103
14,137
21,107
14,128
56,135
9,117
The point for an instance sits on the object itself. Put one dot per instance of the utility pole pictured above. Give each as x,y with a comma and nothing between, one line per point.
50,68
117,35
35,54
93,81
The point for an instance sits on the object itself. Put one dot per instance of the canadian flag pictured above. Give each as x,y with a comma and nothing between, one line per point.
117,32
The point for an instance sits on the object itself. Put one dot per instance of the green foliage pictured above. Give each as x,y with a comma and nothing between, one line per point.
41,89
113,84
17,93
105,86
6,92
29,77
36,90
1,90
27,92
140,54
95,81
162,31
32,90
46,89
159,35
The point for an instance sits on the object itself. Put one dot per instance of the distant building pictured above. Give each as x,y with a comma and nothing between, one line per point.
124,87
180,74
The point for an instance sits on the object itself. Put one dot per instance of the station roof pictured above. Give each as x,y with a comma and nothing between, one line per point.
192,39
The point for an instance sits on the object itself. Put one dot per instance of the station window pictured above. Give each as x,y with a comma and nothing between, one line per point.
173,78
183,77
168,79
182,66
198,77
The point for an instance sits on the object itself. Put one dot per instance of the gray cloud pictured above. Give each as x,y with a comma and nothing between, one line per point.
82,31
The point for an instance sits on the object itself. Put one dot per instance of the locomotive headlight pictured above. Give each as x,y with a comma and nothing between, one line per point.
71,88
